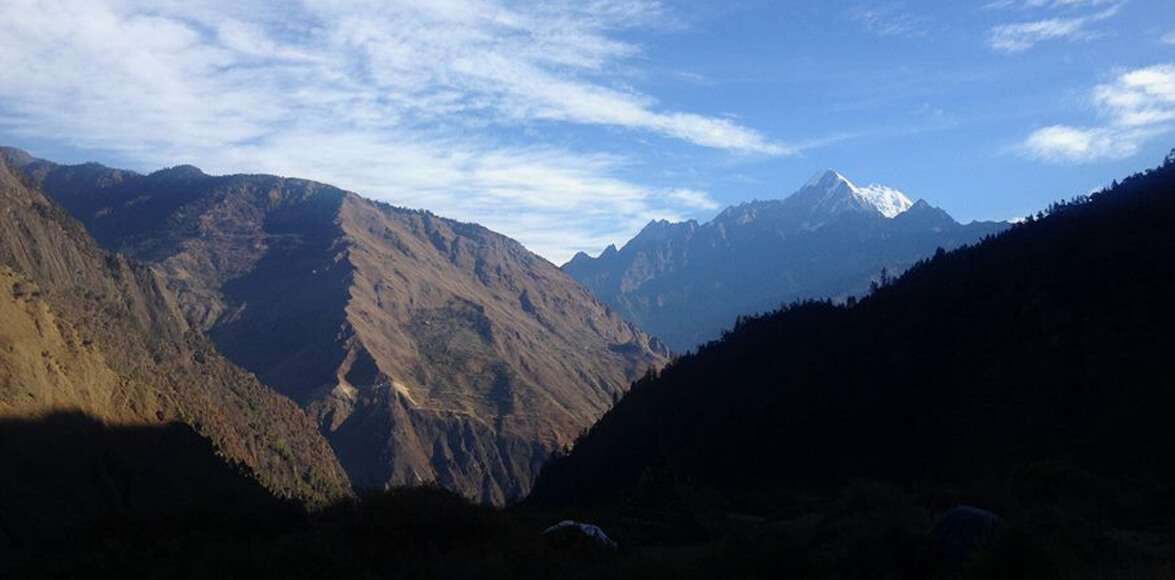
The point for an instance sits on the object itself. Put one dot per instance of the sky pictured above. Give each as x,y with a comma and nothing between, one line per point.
569,125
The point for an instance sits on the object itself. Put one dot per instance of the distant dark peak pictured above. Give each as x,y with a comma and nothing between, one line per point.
923,207
16,157
666,225
609,251
660,231
749,205
578,258
179,172
731,211
923,212
746,212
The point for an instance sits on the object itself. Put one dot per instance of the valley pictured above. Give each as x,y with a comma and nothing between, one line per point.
616,289
843,466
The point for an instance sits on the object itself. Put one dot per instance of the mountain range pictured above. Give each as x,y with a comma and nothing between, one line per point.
997,410
687,282
426,350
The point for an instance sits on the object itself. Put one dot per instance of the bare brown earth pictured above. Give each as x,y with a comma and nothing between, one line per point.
91,331
427,349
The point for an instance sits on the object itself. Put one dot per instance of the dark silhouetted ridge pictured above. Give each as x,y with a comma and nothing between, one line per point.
67,473
1046,344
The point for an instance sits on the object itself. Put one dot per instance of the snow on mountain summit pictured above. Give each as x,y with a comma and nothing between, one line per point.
835,192
889,201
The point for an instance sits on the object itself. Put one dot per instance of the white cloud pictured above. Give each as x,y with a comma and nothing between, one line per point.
1021,36
1140,98
1138,105
693,199
889,19
1029,4
1024,35
417,103
1063,143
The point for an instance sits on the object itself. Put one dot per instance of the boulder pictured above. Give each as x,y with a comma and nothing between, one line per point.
963,530
589,531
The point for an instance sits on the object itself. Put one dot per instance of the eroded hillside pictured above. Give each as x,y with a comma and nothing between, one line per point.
92,331
428,349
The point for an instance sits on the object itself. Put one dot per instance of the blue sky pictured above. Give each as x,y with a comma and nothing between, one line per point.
568,125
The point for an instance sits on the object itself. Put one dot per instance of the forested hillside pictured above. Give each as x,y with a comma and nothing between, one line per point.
1031,369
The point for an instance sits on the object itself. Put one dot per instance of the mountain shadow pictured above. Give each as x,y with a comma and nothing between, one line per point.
80,497
71,480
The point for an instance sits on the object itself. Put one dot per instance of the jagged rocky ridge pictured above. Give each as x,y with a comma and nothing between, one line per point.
427,349
687,282
86,330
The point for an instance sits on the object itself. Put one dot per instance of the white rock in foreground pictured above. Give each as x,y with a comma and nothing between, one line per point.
589,530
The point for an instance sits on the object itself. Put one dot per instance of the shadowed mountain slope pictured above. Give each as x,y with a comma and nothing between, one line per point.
92,331
70,478
686,282
427,349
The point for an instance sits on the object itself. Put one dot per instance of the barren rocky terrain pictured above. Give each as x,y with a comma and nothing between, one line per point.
428,350
91,331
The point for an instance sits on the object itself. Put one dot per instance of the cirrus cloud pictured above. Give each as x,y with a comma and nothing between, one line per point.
1020,36
890,19
444,104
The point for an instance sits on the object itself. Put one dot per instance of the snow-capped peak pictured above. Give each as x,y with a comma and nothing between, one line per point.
889,201
827,180
841,193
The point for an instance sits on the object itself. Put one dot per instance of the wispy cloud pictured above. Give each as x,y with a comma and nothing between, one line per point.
1137,106
1169,38
1029,4
889,19
417,103
1020,36
693,199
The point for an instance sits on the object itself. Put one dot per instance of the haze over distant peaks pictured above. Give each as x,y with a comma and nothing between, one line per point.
686,282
